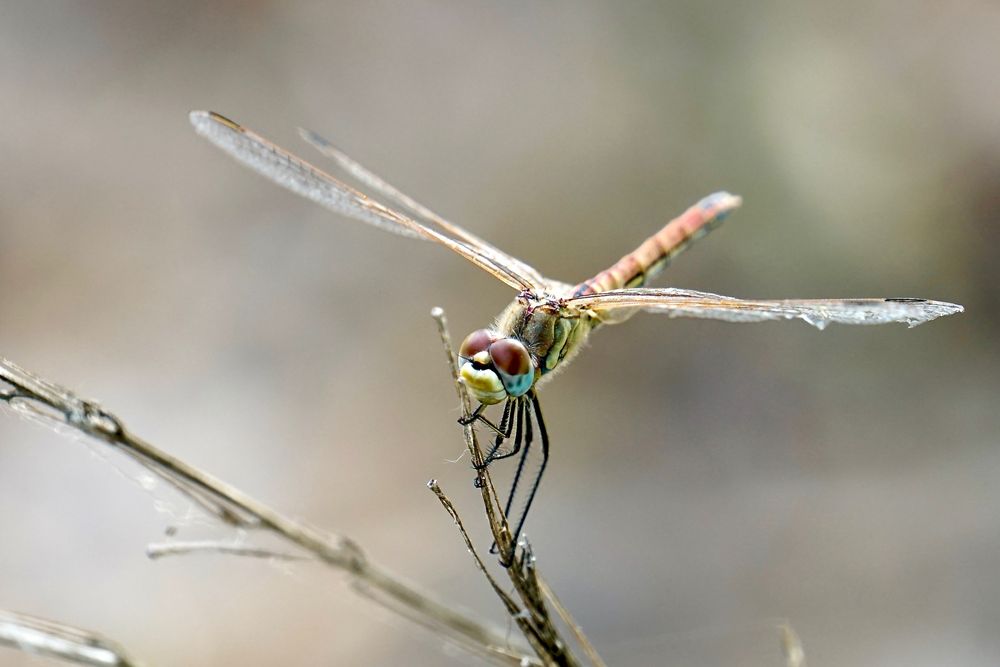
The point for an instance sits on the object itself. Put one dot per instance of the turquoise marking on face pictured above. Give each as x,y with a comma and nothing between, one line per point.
516,385
513,364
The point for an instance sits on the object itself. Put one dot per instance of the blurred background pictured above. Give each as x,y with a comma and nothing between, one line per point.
706,478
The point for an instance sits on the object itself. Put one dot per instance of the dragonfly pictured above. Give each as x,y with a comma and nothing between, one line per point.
548,321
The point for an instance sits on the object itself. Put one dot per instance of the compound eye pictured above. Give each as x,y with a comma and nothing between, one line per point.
513,363
475,342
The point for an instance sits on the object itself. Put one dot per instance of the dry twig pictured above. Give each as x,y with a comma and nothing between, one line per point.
47,402
161,549
60,641
791,646
532,615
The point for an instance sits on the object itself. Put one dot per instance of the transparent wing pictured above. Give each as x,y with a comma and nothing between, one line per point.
376,184
817,312
310,182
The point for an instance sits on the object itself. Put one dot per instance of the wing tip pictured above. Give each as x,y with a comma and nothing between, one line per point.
946,307
930,311
204,120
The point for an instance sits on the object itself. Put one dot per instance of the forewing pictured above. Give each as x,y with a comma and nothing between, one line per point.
389,192
817,312
306,180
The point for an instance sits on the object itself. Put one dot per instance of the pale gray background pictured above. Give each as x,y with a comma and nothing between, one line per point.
706,477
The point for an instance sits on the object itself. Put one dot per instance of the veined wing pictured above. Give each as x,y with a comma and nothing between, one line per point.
376,184
817,312
312,183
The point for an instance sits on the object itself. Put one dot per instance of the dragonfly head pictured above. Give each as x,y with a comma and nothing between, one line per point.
495,367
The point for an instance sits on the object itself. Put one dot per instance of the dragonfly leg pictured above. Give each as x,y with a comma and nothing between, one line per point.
524,433
503,433
465,420
523,416
477,416
544,435
528,439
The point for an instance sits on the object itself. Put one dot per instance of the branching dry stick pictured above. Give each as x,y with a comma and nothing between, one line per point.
532,590
791,646
60,641
571,623
508,602
497,520
532,615
159,550
44,401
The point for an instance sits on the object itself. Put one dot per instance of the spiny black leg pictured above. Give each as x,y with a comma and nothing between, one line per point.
469,418
506,424
523,415
545,459
528,438
543,433
477,416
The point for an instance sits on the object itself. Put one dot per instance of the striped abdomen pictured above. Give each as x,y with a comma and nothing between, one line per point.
639,266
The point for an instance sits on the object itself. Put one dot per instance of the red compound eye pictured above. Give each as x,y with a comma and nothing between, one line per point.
475,342
510,357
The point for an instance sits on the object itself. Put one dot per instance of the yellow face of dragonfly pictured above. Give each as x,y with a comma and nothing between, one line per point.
495,367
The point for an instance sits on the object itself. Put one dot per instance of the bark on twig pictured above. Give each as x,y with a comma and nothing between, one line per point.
532,614
51,639
161,549
44,401
528,606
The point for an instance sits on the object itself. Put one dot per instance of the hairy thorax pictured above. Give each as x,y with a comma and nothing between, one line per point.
552,332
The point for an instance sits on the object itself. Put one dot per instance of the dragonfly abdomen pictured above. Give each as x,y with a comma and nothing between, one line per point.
642,264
